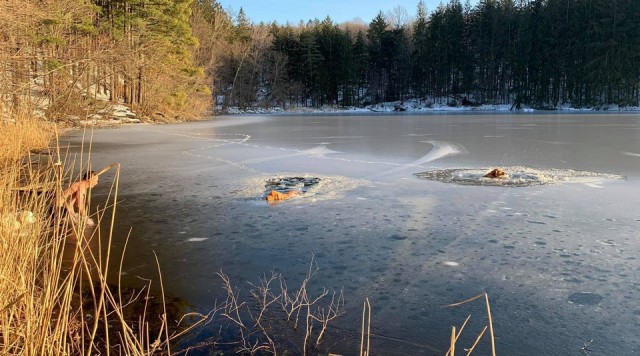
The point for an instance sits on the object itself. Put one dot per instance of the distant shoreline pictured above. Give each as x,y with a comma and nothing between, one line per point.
413,106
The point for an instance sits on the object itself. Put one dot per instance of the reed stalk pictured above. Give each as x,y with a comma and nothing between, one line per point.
54,295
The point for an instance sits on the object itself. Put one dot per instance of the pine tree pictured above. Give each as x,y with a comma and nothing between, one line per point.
378,57
361,65
420,57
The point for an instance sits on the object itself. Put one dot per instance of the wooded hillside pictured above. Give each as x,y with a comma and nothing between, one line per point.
66,57
540,53
172,58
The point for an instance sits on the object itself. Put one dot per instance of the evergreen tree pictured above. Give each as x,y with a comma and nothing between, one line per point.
541,53
420,57
361,65
310,66
347,70
378,57
453,47
399,67
437,62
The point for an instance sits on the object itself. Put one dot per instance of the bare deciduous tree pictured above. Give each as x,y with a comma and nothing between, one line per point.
398,17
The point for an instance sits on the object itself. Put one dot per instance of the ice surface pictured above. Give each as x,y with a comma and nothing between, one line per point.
559,261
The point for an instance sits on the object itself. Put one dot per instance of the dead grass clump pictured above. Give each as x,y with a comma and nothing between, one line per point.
22,135
54,296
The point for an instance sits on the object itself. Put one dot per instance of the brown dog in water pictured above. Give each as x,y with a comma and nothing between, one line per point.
275,196
496,173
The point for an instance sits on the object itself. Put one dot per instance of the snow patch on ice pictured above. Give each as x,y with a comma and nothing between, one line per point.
318,151
441,149
630,154
197,239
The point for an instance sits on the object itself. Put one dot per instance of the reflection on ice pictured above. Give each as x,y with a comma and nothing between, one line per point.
517,176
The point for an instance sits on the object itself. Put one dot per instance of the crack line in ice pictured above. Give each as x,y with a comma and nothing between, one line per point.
243,138
440,149
318,151
202,137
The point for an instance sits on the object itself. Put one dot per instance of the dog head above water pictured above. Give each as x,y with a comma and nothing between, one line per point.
496,173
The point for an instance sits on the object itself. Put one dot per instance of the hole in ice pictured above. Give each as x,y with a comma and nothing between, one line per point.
517,176
287,184
278,189
303,188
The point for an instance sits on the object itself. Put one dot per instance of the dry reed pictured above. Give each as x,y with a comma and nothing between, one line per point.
21,136
454,336
54,295
365,331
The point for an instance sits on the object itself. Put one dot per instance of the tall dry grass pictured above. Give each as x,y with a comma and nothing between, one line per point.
54,297
21,136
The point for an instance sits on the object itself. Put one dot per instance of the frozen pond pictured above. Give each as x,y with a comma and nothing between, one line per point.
386,220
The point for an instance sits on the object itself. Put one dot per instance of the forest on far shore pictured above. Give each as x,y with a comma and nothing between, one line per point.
176,59
539,53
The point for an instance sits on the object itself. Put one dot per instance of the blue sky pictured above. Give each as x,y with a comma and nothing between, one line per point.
339,10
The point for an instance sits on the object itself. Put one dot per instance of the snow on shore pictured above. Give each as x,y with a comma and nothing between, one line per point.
414,105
